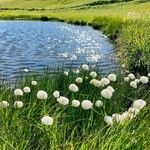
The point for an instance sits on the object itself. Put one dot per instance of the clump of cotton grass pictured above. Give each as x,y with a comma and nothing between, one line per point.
125,116
66,73
63,100
4,104
99,84
18,104
131,76
86,104
85,67
108,120
106,94
42,95
110,88
98,103
126,79
116,117
56,94
144,79
47,120
133,112
139,104
73,88
18,92
112,77
75,103
34,83
93,74
79,80
26,89
133,84
105,81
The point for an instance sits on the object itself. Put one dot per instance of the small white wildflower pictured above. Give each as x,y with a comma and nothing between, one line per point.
144,79
137,81
93,82
34,83
124,116
75,103
98,103
110,88
18,92
126,79
42,95
18,104
79,80
56,94
105,81
123,65
85,67
93,74
106,93
116,117
112,77
27,89
77,71
148,74
66,73
26,70
73,88
133,84
139,104
4,104
133,112
99,84
131,76
86,104
63,100
47,120
108,120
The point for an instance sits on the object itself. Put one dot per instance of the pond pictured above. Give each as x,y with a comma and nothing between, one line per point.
35,45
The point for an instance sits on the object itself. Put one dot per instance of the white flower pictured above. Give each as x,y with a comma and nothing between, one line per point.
4,104
66,73
137,81
77,71
56,94
131,76
93,74
73,88
42,95
26,70
126,79
123,65
99,84
125,116
86,104
63,100
27,89
85,67
108,120
98,103
144,79
112,77
18,92
116,117
133,84
79,80
110,88
47,120
75,103
139,104
93,82
18,104
148,74
105,81
106,93
34,83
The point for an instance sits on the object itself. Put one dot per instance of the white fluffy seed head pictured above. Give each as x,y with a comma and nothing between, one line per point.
126,79
34,82
75,103
131,76
93,74
47,120
106,93
66,73
116,117
86,104
105,81
110,88
85,67
148,74
137,81
108,120
98,103
26,89
139,104
93,82
112,77
79,80
56,94
124,116
42,95
18,92
77,71
133,84
4,104
99,84
63,100
18,104
144,79
73,88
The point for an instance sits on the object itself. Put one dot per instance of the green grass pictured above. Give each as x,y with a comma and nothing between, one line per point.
73,128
